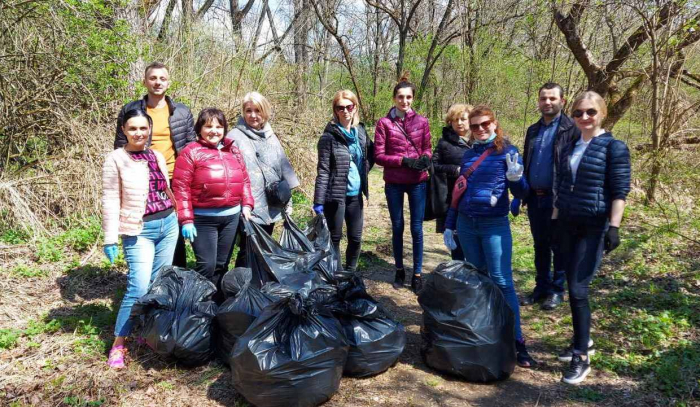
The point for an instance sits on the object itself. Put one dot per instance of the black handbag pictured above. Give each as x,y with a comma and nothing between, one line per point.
278,193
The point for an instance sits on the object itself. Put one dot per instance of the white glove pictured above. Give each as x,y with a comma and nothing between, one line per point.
494,200
449,240
246,212
515,169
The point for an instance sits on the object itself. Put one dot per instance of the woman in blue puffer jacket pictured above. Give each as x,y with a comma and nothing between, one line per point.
480,214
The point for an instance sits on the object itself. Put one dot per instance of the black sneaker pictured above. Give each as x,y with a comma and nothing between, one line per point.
399,278
565,355
577,371
533,298
552,302
416,283
523,358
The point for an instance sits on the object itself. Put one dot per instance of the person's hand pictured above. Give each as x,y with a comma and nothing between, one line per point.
515,169
423,162
449,239
409,162
515,207
189,232
246,213
494,200
111,251
318,209
612,239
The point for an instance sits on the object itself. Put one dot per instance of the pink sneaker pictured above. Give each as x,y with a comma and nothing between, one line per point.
116,357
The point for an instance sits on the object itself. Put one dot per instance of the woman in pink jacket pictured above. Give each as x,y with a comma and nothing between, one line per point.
137,205
403,148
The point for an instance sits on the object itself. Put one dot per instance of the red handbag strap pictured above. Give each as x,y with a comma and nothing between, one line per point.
461,183
478,162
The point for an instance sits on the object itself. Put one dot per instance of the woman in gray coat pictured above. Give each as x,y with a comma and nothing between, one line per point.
265,161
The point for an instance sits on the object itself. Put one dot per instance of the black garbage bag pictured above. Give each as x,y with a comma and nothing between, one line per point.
235,280
269,261
468,328
376,341
237,313
176,316
292,356
316,238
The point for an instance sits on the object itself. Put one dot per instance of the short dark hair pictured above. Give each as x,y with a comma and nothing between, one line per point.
552,85
207,115
155,65
404,83
137,112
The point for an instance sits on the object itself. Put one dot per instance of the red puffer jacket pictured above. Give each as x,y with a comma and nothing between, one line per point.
391,146
206,177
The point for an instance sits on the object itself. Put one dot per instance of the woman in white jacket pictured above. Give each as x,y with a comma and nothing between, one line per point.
137,205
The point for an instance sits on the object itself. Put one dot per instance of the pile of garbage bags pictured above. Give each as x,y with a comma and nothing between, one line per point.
290,326
468,328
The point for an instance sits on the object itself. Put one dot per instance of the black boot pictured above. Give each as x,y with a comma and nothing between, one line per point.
416,283
400,278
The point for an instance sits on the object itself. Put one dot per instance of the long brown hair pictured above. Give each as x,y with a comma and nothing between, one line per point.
482,110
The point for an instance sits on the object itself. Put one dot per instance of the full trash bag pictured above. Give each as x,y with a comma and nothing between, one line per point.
316,238
270,262
376,341
238,312
177,314
292,356
468,328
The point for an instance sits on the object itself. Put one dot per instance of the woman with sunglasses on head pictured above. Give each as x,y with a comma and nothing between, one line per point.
344,155
479,212
272,177
137,205
593,183
402,147
212,190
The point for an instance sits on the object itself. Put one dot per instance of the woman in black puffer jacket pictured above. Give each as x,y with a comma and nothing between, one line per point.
593,183
447,160
345,157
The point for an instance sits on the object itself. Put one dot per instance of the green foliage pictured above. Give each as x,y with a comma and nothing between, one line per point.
27,271
9,338
77,401
586,394
14,236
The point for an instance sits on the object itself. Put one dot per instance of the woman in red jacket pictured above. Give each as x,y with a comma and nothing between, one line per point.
402,147
212,190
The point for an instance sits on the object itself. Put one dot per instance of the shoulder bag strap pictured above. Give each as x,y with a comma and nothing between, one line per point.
408,138
461,183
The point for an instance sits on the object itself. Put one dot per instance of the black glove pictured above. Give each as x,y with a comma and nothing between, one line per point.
423,162
612,239
409,162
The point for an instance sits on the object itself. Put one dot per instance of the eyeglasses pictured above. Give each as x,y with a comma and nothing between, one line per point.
579,113
482,125
349,108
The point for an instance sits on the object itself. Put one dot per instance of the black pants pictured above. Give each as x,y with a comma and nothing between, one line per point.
242,258
582,245
351,212
180,254
547,281
213,247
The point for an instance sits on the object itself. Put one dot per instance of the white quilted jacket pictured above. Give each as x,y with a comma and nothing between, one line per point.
125,186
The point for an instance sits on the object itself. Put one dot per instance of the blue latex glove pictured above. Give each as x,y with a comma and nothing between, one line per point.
111,251
189,232
515,207
318,209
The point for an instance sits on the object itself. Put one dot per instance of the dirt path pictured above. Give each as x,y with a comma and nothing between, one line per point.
65,364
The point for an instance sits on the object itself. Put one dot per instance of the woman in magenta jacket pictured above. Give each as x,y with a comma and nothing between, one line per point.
212,190
402,147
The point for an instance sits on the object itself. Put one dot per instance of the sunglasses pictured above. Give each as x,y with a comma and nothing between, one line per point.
482,125
579,113
349,108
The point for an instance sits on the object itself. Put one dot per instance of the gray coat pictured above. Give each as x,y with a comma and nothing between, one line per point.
263,152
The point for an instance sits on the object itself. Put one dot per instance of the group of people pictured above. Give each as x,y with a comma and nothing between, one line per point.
573,178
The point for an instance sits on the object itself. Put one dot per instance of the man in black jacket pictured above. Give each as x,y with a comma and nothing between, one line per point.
173,127
544,142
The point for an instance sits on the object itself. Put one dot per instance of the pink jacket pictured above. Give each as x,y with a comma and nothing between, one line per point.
391,146
125,187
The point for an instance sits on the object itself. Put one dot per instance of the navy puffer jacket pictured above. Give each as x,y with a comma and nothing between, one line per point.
488,180
603,176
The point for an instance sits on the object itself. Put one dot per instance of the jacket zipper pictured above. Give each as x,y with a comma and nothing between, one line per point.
225,170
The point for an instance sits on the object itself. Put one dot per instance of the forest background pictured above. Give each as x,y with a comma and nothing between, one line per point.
67,66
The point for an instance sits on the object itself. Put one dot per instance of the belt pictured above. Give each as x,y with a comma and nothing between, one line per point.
543,192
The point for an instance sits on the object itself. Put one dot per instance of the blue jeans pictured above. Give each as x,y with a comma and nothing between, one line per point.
416,204
487,242
145,254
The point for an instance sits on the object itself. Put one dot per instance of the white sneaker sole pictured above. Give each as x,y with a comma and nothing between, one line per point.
568,358
578,379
